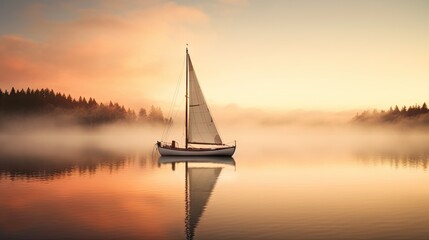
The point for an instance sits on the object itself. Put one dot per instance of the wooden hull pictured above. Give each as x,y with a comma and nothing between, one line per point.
225,151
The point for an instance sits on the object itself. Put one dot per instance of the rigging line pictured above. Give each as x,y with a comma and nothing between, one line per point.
170,125
171,109
174,117
169,116
176,91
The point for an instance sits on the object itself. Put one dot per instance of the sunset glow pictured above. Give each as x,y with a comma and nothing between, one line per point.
330,55
222,119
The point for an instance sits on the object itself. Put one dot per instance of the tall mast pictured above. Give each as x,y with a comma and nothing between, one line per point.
186,96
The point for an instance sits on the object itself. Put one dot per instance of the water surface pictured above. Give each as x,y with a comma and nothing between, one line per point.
263,193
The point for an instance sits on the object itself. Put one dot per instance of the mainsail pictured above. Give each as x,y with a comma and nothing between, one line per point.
202,128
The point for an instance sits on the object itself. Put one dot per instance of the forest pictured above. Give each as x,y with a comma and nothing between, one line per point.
413,115
46,102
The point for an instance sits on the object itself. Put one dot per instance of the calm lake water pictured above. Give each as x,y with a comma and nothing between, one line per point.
266,192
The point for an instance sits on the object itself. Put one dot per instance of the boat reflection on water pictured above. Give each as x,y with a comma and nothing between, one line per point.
201,174
173,160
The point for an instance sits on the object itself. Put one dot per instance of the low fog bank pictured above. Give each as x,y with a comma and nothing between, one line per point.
235,115
328,138
45,149
261,135
49,137
254,130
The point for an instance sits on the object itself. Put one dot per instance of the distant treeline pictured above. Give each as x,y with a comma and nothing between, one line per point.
46,102
418,115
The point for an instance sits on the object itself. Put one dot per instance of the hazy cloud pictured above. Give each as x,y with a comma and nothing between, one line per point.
106,52
235,2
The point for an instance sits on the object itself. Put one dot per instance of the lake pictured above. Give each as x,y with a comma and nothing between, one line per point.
303,189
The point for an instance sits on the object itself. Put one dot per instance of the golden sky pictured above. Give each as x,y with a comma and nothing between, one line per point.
280,55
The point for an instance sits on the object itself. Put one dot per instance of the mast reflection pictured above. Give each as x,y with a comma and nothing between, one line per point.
200,181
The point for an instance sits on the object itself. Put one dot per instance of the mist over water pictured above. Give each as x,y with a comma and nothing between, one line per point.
288,180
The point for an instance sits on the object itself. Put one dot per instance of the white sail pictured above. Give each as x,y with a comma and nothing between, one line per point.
202,128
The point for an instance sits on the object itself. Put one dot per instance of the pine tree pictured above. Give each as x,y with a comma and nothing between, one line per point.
142,115
424,108
396,109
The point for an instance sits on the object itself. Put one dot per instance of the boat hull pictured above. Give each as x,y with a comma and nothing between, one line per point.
197,159
226,151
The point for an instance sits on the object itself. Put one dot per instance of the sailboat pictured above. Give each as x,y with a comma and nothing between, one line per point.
200,182
202,137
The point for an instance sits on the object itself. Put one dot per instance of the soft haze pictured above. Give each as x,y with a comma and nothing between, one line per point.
326,55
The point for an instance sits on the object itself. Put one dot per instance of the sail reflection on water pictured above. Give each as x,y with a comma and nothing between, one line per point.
200,181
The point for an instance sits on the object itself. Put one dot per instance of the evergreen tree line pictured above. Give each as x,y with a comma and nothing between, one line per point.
413,114
88,112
